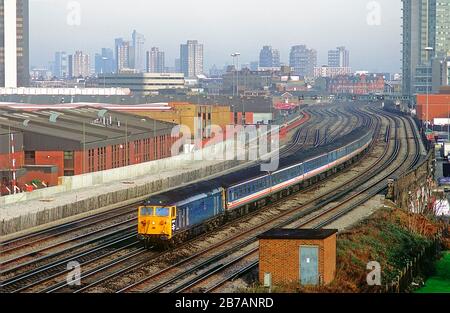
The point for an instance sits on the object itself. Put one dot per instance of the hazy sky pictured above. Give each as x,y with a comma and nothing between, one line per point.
223,26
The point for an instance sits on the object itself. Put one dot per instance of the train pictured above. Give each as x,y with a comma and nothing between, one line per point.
180,214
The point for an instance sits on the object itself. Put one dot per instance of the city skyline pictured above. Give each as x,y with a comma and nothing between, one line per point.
96,31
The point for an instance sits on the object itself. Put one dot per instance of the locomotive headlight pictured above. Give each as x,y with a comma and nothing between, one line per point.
153,223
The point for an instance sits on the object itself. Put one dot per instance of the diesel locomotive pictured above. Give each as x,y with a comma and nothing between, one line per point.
180,214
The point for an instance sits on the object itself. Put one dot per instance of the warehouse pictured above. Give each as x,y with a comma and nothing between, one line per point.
435,105
185,113
80,140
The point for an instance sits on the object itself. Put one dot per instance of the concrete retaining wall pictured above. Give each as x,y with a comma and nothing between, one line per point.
12,222
119,174
412,190
120,197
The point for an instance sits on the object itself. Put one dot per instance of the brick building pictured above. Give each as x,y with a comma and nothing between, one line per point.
356,84
77,141
438,106
184,113
292,256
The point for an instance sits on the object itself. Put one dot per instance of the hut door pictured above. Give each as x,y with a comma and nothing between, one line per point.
309,265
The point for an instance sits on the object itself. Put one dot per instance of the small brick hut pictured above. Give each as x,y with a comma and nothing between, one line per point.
305,256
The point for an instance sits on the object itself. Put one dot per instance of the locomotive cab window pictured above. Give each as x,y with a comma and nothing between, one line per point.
146,211
162,212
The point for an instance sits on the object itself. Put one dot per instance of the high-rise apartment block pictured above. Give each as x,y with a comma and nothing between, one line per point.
303,60
81,64
123,53
339,57
191,58
138,52
61,65
155,61
269,57
14,43
426,35
104,62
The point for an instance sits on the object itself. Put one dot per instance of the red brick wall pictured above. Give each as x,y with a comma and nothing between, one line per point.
329,259
281,258
249,117
5,160
438,106
55,158
51,179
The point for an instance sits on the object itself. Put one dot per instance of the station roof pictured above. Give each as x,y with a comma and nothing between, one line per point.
285,233
85,125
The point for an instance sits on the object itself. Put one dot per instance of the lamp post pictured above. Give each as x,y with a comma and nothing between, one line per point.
428,50
235,56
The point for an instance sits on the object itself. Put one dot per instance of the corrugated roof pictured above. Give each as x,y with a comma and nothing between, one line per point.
83,124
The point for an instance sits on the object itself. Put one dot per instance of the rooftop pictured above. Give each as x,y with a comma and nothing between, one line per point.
285,233
85,125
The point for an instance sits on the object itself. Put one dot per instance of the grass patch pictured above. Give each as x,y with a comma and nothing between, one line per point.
440,282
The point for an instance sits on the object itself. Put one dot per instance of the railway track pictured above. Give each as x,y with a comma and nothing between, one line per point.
34,278
93,284
248,258
248,261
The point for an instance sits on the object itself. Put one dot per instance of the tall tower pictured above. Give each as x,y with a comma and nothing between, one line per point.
339,57
81,64
14,43
155,61
269,57
191,58
303,60
138,51
123,51
425,24
60,66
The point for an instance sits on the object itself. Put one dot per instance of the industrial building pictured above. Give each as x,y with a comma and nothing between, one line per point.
143,83
185,113
438,106
77,141
297,256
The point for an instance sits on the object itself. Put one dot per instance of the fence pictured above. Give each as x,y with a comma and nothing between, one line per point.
415,267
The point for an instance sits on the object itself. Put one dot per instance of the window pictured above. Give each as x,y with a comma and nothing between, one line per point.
101,158
162,212
125,155
30,157
91,154
146,211
69,173
137,151
115,156
146,150
68,160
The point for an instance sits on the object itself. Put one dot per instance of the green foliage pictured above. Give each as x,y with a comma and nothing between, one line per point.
440,282
382,239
